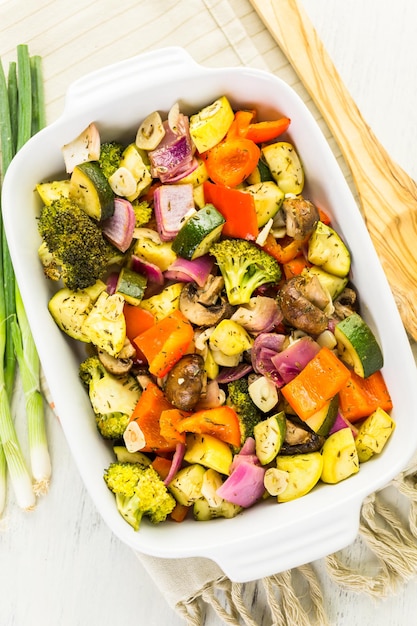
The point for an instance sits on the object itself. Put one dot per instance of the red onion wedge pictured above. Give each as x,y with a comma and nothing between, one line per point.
148,269
176,462
341,422
261,314
228,374
173,158
244,486
197,270
171,205
249,446
120,226
265,346
111,283
293,359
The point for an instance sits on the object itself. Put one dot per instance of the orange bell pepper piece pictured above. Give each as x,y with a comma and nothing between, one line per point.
240,124
321,379
295,267
265,131
180,512
231,161
360,397
286,251
221,422
237,208
164,343
147,413
324,217
161,465
168,423
137,320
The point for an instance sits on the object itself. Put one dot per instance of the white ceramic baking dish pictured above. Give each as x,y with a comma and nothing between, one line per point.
269,537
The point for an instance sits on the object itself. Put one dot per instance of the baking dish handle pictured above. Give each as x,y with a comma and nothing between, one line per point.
298,547
149,68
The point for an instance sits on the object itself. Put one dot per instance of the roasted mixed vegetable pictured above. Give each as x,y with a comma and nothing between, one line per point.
226,355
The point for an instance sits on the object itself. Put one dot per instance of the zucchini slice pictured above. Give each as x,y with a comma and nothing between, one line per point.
260,174
124,456
322,421
304,471
268,198
199,232
357,346
54,190
285,166
105,324
131,286
373,434
340,458
210,125
133,161
90,189
269,436
208,451
327,250
187,483
70,309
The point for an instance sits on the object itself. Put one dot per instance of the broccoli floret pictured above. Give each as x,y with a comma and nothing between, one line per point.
74,248
248,413
113,398
139,492
110,155
143,212
244,267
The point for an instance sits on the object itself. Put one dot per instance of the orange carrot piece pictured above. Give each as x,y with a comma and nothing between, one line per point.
147,413
221,422
161,465
285,251
164,343
295,267
168,423
180,512
231,161
137,320
360,397
320,380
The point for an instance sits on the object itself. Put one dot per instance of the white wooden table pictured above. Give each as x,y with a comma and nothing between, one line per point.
60,565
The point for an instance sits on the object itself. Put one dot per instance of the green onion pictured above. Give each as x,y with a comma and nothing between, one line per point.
24,85
38,96
3,480
22,113
12,92
19,474
29,369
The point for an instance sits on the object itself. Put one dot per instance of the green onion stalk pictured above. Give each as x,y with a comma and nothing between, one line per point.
29,369
21,115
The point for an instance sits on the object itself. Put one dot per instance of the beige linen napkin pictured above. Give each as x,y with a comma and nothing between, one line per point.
229,33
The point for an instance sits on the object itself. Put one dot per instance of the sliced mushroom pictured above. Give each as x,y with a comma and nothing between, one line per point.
121,364
346,303
301,216
185,382
298,309
209,293
299,440
200,314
